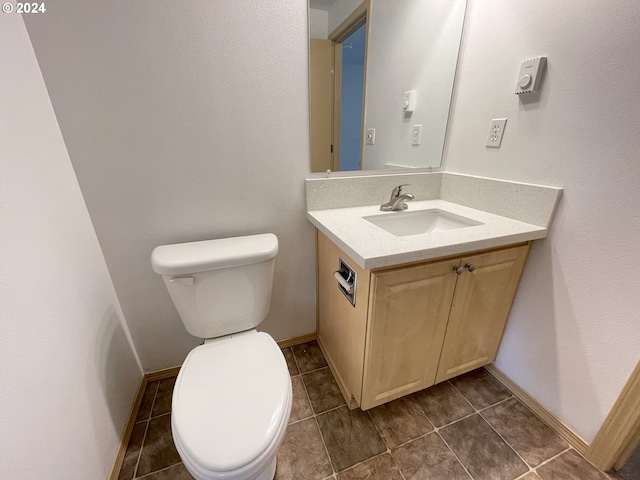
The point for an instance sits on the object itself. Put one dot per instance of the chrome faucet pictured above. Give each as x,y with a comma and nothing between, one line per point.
397,200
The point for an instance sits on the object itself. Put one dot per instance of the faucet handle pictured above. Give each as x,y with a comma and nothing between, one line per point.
395,193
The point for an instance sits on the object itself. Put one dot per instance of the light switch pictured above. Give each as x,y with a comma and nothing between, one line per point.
371,136
409,103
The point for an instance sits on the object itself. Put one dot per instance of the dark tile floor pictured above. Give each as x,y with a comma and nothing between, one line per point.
468,428
631,469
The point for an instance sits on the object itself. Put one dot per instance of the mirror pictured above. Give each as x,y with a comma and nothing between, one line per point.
364,58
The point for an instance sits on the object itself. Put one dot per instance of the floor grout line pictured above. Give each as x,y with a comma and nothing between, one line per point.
144,437
388,450
314,416
525,474
146,429
147,475
455,455
300,372
371,458
437,429
553,458
479,412
293,355
506,442
410,397
314,370
461,394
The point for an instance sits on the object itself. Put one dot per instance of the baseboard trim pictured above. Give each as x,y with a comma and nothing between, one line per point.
128,429
133,413
540,410
290,342
162,374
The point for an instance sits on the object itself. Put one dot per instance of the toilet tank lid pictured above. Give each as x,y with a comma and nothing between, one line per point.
193,257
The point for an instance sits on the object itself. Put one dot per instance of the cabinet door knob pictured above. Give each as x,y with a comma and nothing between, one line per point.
470,266
458,269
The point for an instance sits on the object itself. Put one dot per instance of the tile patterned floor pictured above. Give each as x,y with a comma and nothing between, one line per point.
468,428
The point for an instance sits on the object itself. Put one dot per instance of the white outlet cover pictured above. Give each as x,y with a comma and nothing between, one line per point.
416,134
496,131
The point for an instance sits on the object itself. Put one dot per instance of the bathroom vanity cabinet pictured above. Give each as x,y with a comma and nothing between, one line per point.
413,325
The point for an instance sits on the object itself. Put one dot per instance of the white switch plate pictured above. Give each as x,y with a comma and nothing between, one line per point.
416,132
496,131
409,102
371,136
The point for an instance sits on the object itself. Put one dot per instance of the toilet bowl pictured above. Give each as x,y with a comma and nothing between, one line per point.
232,398
231,404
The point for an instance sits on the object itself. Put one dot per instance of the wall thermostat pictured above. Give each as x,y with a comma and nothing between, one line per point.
530,76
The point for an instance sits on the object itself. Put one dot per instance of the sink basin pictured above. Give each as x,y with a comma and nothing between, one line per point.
402,224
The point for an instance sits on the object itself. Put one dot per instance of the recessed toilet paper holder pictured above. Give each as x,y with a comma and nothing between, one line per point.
347,279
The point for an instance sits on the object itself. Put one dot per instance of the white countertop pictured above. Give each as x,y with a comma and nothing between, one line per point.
372,247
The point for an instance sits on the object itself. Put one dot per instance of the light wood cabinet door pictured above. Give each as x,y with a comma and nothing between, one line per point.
406,327
480,309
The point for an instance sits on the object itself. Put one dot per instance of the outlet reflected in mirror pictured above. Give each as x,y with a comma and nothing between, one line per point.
364,57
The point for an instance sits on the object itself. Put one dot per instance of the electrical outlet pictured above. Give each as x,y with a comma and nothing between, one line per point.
496,131
371,136
415,134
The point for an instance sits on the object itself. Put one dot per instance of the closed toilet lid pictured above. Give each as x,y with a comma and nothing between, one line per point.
229,400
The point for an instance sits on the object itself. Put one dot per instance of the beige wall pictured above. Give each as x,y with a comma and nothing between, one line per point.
185,123
69,373
574,331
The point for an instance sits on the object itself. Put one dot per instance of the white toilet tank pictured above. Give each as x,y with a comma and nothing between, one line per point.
219,286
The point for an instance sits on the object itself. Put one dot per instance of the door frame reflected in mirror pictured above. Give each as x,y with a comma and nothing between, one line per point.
391,69
325,144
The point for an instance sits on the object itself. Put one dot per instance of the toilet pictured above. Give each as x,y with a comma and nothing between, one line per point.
232,398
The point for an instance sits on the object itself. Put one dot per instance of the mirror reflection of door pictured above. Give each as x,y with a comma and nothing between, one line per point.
337,76
321,104
411,45
351,99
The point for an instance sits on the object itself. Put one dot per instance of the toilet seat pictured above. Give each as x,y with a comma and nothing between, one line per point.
219,429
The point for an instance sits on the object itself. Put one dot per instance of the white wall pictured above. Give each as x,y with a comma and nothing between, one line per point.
413,45
340,10
69,373
318,23
185,122
574,334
